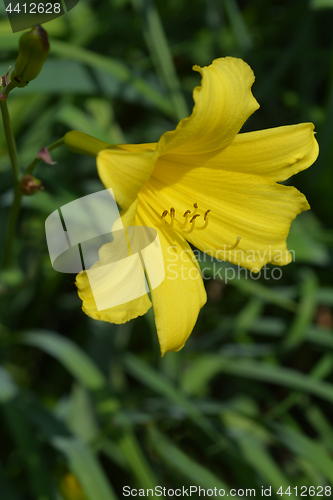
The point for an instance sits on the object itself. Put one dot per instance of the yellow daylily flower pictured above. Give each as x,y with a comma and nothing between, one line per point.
206,184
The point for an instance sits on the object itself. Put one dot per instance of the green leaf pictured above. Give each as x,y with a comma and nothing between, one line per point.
155,381
321,4
26,440
8,388
69,355
86,468
182,463
159,48
136,459
321,424
240,278
314,452
303,242
261,461
79,457
208,366
126,79
305,311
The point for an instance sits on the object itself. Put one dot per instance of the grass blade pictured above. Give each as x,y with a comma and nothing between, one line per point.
69,354
86,468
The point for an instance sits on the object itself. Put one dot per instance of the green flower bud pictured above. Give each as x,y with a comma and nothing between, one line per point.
78,142
33,51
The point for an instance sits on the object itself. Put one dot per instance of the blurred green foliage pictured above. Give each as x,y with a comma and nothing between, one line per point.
88,407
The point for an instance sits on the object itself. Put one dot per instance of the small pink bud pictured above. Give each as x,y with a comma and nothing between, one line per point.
44,154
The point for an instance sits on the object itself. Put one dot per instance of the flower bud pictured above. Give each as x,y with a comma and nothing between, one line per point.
78,142
33,51
29,185
44,154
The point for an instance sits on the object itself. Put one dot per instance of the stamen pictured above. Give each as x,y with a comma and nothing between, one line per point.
172,216
192,222
205,219
186,215
194,217
231,247
206,213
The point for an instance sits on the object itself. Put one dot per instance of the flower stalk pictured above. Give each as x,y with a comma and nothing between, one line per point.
33,51
12,150
15,208
29,170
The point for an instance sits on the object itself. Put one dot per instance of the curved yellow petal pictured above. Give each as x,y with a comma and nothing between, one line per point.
276,153
247,206
118,314
179,298
223,103
115,278
125,171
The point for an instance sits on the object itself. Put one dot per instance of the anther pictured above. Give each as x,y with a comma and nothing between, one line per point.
172,216
194,217
186,216
192,222
205,219
195,205
231,247
206,213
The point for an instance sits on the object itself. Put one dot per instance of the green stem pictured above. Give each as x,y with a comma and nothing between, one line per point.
15,209
35,162
10,142
8,88
13,216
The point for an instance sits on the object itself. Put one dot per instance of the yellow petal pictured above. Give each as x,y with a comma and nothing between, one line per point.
251,207
125,171
113,279
276,153
179,298
119,314
223,103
